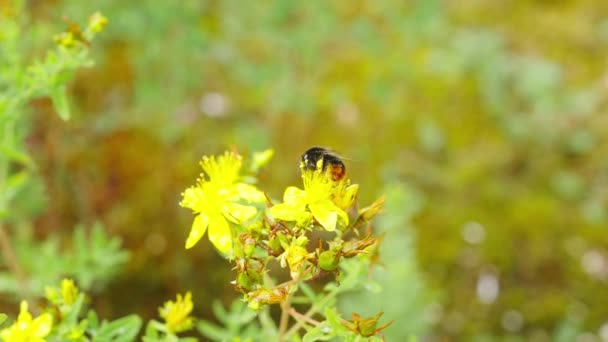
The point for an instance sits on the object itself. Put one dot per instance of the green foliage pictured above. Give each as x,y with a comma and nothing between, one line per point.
236,322
22,81
123,329
396,285
67,321
493,111
92,261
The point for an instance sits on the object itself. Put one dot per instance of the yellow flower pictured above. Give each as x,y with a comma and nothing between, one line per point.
26,329
65,39
296,257
69,291
97,22
66,295
177,314
217,199
322,198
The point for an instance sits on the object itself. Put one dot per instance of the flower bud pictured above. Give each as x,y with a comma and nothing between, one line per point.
354,247
245,281
368,213
248,243
365,327
329,260
264,296
249,274
275,245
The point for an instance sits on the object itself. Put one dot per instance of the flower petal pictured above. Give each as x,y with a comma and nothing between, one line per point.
238,213
249,193
287,212
220,235
192,198
294,195
345,198
199,226
327,213
41,325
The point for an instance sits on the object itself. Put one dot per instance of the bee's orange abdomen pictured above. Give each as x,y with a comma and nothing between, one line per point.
336,171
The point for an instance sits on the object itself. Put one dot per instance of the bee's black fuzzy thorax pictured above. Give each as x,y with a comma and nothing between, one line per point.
332,164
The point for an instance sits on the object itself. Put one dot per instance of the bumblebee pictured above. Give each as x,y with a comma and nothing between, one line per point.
331,163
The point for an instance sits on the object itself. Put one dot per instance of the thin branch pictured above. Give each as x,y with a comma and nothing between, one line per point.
313,310
10,257
286,306
300,317
12,262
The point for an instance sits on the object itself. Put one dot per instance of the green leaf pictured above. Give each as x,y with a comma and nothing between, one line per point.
260,159
335,322
18,156
323,332
60,101
2,318
72,317
124,329
92,319
154,330
308,291
239,315
15,183
212,331
219,311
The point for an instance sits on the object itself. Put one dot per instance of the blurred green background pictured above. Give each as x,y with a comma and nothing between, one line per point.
488,117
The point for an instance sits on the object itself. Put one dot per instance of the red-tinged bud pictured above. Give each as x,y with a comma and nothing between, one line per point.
249,274
264,296
248,243
354,247
365,327
368,213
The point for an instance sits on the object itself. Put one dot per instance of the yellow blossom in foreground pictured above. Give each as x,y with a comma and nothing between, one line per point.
322,198
177,314
65,295
217,199
26,329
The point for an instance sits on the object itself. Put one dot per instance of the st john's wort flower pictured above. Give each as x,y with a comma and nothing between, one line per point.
219,198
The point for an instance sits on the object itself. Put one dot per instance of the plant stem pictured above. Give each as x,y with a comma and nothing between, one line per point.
10,257
12,262
313,310
300,317
268,326
286,306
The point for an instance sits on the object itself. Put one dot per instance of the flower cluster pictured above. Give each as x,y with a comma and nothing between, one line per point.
75,36
253,235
